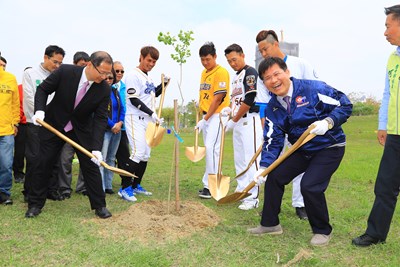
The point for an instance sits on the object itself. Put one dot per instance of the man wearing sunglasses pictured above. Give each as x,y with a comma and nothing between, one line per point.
78,110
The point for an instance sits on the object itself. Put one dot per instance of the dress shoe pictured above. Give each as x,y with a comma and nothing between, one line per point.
301,213
109,191
54,195
365,240
32,212
66,195
320,240
270,230
103,213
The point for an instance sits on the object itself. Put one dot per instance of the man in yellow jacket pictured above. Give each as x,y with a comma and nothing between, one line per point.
9,118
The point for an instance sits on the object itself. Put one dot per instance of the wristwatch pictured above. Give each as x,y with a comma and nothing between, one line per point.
330,122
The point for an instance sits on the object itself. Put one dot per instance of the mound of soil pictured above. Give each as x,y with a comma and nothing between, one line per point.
153,221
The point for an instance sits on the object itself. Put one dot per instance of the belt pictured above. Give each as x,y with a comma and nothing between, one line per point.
245,115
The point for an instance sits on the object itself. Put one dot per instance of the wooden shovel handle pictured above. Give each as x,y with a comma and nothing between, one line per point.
162,94
304,138
80,148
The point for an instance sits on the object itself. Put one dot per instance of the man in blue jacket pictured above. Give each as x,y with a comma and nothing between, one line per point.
294,106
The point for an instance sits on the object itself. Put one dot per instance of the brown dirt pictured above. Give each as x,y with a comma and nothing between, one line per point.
151,221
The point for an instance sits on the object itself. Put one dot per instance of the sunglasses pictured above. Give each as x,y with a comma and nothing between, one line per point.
109,78
118,71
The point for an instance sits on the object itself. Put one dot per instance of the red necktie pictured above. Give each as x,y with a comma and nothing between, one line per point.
78,99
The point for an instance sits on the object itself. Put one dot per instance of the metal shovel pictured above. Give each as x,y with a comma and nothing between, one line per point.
218,184
154,131
83,150
195,153
304,138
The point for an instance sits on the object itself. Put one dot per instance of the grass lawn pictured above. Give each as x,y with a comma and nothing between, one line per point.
65,234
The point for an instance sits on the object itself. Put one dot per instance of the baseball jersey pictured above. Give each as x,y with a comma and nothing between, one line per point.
139,85
244,83
213,83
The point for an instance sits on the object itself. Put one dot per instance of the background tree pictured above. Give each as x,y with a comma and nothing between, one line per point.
181,46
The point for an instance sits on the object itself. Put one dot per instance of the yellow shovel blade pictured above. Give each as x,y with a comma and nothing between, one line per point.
154,134
194,155
233,197
237,195
218,185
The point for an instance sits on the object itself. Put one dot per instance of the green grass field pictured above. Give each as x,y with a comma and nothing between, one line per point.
58,237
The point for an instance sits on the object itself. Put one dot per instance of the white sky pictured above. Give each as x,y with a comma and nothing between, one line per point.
342,39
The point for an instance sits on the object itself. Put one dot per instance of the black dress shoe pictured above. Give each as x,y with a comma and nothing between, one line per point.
32,212
54,195
301,213
366,240
66,195
103,213
109,191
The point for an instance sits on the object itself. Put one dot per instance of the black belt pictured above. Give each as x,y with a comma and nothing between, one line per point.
245,115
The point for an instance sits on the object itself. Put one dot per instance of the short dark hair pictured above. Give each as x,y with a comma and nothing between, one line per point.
99,57
52,50
233,48
262,35
79,56
146,50
3,59
268,63
207,49
394,10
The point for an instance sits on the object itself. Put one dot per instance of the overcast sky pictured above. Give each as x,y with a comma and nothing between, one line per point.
342,39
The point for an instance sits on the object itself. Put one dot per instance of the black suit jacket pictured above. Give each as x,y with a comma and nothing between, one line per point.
89,118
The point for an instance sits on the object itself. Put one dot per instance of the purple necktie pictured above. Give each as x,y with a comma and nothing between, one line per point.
287,101
78,99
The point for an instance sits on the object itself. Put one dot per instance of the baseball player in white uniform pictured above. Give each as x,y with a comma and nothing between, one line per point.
140,110
245,122
268,46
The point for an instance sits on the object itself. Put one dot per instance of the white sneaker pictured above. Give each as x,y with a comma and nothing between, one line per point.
140,190
127,194
248,205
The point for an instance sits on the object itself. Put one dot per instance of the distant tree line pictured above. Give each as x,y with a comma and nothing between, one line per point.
363,105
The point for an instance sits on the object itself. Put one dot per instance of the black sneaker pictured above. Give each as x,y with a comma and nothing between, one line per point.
54,195
365,240
205,193
5,199
301,213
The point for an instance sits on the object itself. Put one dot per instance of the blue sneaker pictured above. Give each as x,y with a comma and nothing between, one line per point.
140,190
127,194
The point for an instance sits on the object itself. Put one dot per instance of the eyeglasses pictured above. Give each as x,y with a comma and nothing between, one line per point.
109,78
118,71
274,75
55,61
101,73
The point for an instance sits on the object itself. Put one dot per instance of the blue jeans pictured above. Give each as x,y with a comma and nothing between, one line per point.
110,147
6,162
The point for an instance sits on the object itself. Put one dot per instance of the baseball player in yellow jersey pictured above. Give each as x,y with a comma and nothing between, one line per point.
214,87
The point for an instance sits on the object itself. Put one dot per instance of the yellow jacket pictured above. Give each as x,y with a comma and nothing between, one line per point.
9,103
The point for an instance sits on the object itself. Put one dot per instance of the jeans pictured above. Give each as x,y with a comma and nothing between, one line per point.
6,162
110,147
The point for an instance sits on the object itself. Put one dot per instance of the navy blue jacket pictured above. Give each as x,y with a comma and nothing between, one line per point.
311,101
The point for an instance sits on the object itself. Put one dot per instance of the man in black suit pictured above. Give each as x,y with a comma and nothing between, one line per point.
79,110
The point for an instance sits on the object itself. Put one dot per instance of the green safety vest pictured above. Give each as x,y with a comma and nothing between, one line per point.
393,69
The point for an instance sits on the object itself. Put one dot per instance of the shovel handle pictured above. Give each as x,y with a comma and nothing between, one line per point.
162,94
304,138
79,147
